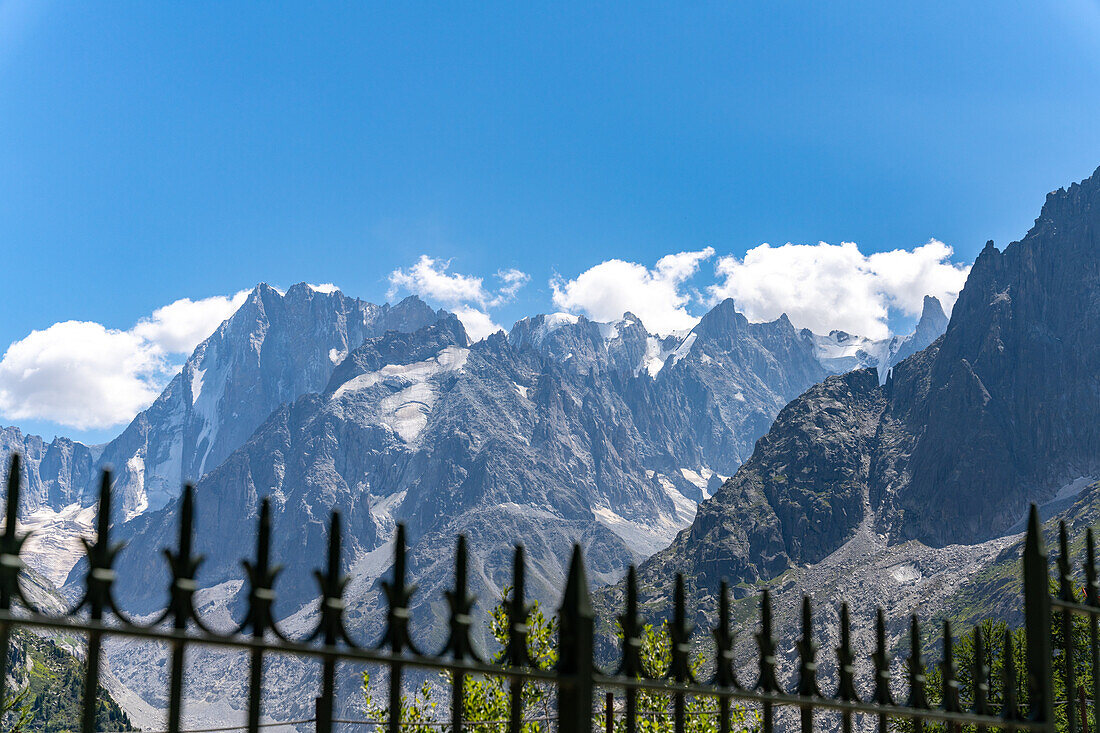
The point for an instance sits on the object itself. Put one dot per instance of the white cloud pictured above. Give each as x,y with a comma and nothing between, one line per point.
657,296
179,327
464,295
825,286
81,374
323,287
478,324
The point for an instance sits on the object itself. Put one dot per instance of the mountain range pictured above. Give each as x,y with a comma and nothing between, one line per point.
563,430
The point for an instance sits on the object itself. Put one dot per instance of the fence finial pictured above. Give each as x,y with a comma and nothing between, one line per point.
766,644
11,544
680,632
461,603
332,582
918,681
519,610
1037,621
950,692
575,643
183,563
881,658
723,642
980,675
807,653
398,593
632,629
101,554
846,660
261,576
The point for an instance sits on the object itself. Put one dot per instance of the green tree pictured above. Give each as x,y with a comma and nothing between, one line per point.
993,660
487,700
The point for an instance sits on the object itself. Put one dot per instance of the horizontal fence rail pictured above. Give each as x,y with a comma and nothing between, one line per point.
576,680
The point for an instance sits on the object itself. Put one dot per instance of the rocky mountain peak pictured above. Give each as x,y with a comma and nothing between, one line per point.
721,321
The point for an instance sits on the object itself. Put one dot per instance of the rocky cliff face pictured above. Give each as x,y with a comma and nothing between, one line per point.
275,348
1000,411
55,474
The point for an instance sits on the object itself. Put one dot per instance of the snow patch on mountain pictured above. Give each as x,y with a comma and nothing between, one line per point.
53,546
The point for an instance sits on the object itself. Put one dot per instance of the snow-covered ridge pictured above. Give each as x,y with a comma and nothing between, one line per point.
406,410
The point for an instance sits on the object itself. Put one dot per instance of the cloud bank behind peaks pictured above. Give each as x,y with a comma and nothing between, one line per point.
657,296
464,295
84,375
824,286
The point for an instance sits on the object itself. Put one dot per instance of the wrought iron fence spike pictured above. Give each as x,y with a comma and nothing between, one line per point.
398,593
918,680
101,555
949,673
11,514
680,632
766,645
724,639
461,603
846,660
518,612
576,632
1065,592
10,566
11,544
881,659
1065,565
807,653
980,675
631,665
183,564
1036,573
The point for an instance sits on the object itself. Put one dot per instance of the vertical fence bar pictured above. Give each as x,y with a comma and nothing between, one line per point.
724,674
881,659
609,713
397,637
100,577
979,678
461,603
1037,623
261,596
10,566
1065,591
332,584
766,645
183,567
631,667
680,633
918,692
517,653
846,667
575,643
807,670
1092,598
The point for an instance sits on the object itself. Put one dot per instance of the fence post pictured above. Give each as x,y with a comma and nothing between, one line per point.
575,643
1037,624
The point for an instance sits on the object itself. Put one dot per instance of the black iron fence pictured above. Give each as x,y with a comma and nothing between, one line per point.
576,679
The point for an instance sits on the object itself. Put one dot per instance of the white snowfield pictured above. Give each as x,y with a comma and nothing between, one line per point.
406,411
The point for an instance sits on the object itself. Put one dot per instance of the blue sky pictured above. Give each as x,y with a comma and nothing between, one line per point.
156,151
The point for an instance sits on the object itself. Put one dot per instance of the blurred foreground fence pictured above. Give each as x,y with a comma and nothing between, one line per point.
585,697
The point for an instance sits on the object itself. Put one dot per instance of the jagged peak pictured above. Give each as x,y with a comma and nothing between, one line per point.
722,318
932,314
